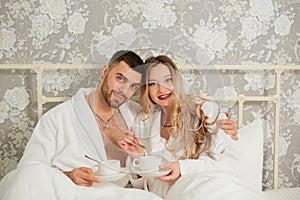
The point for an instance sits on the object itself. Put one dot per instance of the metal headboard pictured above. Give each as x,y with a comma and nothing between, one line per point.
240,99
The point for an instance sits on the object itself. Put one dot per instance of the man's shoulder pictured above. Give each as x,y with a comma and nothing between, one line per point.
77,99
58,109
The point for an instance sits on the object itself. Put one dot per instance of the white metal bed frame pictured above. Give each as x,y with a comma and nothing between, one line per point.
240,99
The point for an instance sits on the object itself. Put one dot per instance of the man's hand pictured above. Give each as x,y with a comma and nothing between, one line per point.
131,144
82,176
228,126
174,175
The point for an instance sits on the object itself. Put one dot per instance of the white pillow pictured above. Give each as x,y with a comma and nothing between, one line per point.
249,149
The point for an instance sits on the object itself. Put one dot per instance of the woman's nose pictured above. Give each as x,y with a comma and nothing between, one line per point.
161,87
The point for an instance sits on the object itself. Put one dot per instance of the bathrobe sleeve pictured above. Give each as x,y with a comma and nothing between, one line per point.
42,144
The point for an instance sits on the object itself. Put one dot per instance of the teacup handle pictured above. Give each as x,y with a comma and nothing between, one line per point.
136,163
95,169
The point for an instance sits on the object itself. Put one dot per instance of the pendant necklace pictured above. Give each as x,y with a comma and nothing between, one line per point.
104,121
167,126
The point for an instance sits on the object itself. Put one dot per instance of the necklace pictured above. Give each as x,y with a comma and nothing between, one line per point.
104,121
167,126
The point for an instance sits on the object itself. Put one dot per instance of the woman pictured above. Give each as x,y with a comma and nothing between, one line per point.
188,122
181,128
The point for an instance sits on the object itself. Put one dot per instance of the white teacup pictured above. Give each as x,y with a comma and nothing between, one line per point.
107,167
147,163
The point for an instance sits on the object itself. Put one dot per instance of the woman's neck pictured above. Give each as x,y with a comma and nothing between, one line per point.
166,115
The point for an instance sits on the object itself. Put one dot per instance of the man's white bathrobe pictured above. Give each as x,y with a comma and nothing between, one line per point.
59,142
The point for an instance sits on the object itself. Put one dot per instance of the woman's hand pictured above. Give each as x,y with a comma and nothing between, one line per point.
174,175
82,176
131,144
228,126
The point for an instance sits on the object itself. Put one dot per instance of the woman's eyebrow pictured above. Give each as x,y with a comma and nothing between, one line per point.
166,76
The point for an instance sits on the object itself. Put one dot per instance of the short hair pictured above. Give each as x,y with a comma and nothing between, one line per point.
132,59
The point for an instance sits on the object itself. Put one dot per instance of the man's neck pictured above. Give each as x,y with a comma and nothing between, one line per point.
100,105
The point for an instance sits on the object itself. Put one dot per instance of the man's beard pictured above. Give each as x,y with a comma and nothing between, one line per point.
107,95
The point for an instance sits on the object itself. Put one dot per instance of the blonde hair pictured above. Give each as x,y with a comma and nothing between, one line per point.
191,128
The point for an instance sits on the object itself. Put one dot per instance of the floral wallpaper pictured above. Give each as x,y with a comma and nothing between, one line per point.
192,32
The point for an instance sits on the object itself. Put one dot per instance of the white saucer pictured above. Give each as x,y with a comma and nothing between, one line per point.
112,177
150,173
155,173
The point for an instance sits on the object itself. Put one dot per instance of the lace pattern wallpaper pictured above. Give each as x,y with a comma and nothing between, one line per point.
192,32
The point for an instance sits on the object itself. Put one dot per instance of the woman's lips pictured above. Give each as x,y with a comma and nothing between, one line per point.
164,96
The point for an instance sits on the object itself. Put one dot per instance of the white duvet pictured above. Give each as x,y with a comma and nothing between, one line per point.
42,182
212,186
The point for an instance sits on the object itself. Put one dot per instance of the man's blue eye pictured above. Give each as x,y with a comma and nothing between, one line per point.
121,78
134,87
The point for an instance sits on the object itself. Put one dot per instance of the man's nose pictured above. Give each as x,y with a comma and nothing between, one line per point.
124,89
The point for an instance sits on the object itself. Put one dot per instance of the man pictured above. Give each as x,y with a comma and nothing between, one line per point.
91,123
53,164
121,79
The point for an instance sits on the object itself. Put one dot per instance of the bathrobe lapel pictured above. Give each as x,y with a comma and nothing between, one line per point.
87,127
129,113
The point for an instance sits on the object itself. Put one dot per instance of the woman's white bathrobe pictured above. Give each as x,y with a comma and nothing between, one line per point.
202,178
59,142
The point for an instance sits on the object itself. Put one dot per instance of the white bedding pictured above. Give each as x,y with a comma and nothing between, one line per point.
283,194
213,186
39,181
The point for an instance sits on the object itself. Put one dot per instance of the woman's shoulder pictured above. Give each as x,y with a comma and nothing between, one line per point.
210,108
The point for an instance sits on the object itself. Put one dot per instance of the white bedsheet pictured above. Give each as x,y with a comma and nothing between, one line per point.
213,186
283,194
39,181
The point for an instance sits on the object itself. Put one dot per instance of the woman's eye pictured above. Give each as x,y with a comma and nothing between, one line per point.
152,84
169,80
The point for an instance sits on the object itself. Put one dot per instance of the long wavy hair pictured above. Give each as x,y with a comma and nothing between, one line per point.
191,129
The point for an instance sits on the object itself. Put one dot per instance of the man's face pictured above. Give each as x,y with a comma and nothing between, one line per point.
120,82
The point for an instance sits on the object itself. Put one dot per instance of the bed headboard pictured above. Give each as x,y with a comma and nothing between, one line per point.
275,97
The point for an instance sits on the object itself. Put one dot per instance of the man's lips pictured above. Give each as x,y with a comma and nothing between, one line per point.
164,96
118,96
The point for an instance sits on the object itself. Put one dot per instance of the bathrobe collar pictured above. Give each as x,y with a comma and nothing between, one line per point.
87,126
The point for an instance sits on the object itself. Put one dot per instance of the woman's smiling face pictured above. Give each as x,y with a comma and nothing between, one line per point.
160,85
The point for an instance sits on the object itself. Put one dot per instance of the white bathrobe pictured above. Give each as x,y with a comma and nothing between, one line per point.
203,178
59,142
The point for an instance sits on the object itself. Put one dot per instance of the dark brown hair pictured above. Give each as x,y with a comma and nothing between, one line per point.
131,58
